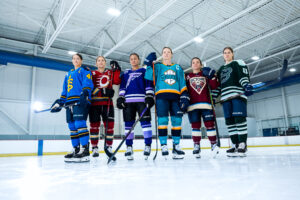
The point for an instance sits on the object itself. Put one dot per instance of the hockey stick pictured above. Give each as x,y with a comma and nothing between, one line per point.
214,113
155,113
259,88
49,109
106,127
126,136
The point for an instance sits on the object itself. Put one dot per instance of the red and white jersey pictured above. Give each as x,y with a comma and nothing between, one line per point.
198,90
104,80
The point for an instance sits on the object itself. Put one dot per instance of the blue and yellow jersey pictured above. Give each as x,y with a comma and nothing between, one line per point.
169,80
75,82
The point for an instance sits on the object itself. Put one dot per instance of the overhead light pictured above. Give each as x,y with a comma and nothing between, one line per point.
72,52
37,106
292,69
114,12
198,39
255,58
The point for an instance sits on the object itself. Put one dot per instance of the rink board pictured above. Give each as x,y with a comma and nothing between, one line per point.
57,147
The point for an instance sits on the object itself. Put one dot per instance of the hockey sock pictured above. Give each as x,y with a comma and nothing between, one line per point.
211,131
232,129
94,133
196,132
146,126
83,132
109,132
241,124
163,134
176,133
129,140
73,134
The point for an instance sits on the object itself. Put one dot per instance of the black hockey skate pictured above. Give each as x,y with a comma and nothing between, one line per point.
83,155
232,152
197,150
95,151
70,157
129,153
242,149
164,151
147,151
177,152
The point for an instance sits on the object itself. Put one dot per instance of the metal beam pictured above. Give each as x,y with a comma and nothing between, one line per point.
226,22
142,25
256,39
61,24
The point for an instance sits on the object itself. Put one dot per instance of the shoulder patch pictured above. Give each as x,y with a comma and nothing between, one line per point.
241,62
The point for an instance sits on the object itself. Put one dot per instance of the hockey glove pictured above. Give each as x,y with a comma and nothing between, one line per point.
84,98
149,101
121,102
208,72
184,101
248,89
150,59
115,65
108,92
57,106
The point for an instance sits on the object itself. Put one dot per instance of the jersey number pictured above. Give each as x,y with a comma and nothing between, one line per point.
88,76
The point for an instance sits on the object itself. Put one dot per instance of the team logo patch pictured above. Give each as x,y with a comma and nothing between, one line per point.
133,76
103,81
225,74
170,77
198,83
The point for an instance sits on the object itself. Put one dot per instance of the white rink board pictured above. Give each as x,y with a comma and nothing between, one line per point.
31,146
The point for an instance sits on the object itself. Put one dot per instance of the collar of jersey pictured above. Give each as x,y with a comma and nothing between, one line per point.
168,65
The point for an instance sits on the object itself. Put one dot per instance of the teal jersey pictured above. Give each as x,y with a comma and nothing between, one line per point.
233,77
169,80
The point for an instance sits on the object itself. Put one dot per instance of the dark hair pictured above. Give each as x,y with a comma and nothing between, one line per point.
78,54
197,59
134,54
230,49
100,57
167,48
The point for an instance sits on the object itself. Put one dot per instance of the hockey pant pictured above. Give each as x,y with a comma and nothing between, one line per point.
165,109
129,116
76,119
97,113
235,112
209,122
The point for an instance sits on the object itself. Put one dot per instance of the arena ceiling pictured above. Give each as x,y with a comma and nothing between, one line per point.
269,29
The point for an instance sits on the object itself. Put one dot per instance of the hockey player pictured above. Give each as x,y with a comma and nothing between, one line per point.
200,104
171,98
135,94
76,93
234,88
102,105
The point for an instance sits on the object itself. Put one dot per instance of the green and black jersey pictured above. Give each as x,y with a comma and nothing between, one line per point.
232,77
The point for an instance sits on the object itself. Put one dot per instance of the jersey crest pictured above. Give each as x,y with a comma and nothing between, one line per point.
133,76
225,74
198,83
169,77
103,81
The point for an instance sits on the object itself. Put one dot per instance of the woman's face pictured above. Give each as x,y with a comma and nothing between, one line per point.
167,54
228,55
196,65
100,63
76,60
134,60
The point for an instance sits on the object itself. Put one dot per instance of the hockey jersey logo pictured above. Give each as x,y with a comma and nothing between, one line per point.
103,81
198,83
169,77
225,74
70,83
133,76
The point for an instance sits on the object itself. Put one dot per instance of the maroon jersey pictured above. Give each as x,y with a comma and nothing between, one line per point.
104,80
198,90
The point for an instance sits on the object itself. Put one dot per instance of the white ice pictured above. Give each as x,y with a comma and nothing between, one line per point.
267,173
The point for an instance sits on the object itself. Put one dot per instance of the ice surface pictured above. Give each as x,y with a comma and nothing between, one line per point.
267,173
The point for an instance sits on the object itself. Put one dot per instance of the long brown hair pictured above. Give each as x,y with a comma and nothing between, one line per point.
230,49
